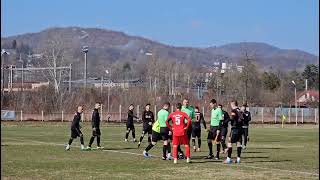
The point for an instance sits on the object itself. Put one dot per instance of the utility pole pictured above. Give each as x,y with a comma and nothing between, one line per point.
70,71
188,84
101,88
85,49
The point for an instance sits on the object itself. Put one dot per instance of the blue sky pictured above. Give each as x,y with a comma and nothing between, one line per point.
288,24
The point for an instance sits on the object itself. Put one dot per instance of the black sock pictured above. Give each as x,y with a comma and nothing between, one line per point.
149,139
223,143
149,147
98,141
91,141
127,134
70,141
210,149
239,151
218,150
193,142
141,137
169,147
199,142
229,152
81,140
133,134
164,150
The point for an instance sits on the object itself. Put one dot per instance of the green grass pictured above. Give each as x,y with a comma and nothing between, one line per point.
34,150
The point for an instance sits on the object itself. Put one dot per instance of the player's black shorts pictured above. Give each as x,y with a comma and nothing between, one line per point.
213,133
97,132
75,132
130,127
147,129
164,132
155,136
236,135
224,132
196,132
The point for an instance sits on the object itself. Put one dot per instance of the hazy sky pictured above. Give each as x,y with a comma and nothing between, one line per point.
288,24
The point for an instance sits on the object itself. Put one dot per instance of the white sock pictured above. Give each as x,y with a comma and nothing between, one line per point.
228,159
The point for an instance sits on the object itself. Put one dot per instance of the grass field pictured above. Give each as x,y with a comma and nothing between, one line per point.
35,150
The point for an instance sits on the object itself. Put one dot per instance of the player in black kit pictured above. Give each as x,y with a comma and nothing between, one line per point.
196,128
130,125
224,129
246,119
147,119
75,129
236,132
95,126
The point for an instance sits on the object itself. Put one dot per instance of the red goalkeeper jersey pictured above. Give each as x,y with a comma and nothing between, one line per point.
178,122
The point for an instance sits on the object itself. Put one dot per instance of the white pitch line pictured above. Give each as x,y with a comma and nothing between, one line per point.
125,152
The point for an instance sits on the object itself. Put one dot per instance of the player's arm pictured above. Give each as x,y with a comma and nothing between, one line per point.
94,119
188,122
167,122
249,116
132,115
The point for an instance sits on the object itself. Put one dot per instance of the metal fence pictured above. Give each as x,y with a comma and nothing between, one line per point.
258,114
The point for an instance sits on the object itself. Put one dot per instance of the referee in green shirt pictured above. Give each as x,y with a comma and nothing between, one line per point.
214,132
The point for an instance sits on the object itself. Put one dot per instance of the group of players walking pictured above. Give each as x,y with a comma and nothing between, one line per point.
178,128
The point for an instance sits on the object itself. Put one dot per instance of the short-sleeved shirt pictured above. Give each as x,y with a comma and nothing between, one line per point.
162,117
216,116
178,122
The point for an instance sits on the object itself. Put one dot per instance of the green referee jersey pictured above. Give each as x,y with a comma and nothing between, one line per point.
190,111
216,116
162,117
156,126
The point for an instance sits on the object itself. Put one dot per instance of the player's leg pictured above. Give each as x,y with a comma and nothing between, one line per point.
239,148
133,132
155,137
169,157
94,134
98,139
193,139
198,135
234,138
185,141
218,135
141,137
223,138
245,137
74,134
81,141
209,139
127,133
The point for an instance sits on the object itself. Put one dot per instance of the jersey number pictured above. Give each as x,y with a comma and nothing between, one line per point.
177,120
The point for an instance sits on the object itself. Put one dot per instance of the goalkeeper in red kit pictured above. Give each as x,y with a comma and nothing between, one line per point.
179,128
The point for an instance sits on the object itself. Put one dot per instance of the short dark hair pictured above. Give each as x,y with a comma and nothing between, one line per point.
235,102
131,105
148,104
196,107
220,105
186,99
178,105
98,102
166,103
213,101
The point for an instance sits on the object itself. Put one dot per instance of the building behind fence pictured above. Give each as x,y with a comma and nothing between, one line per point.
259,115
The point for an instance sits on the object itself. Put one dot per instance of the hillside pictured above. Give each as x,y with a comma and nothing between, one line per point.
106,46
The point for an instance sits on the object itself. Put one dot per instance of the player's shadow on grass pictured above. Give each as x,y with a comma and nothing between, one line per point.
273,161
257,157
120,148
268,148
206,161
252,152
